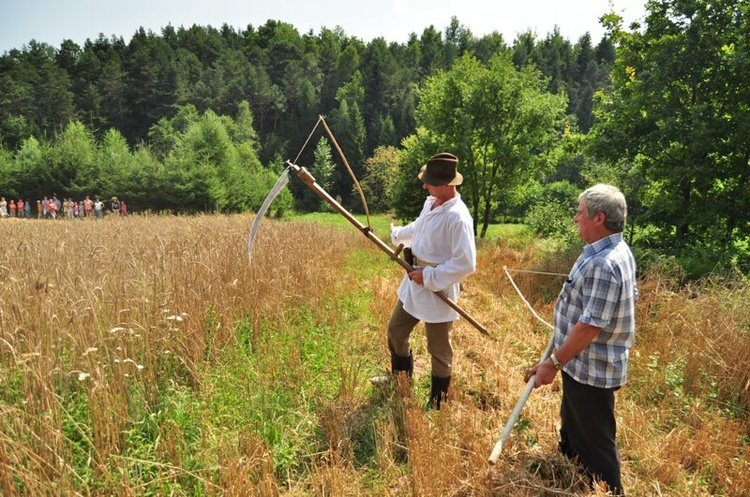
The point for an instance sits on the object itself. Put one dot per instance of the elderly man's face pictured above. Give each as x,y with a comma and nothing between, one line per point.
590,229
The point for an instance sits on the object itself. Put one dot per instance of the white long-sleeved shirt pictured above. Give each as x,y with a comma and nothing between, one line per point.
445,236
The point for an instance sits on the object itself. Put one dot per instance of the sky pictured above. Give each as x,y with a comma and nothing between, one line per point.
52,21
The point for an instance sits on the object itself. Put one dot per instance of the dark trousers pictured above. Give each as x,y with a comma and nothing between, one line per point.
589,430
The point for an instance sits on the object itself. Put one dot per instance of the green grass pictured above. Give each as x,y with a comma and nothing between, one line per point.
279,381
496,232
380,224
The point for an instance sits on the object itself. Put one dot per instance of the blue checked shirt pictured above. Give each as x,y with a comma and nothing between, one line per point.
601,291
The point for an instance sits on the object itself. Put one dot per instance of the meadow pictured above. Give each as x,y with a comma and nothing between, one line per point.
147,356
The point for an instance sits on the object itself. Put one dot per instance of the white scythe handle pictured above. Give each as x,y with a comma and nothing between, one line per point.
529,384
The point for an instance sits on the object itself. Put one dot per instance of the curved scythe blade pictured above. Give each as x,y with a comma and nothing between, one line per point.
280,184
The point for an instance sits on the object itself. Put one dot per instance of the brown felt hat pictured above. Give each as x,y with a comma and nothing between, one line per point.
441,170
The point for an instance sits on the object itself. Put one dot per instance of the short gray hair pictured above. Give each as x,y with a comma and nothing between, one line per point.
608,200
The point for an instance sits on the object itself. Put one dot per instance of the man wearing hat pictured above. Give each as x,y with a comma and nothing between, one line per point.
442,245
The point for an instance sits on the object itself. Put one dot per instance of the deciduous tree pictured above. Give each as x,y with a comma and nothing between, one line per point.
498,120
680,111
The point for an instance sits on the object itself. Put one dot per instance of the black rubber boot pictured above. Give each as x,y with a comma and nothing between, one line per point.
402,363
438,391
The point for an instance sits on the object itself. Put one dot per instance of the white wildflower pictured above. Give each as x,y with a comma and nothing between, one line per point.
137,366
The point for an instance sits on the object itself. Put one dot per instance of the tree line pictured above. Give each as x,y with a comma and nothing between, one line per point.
367,91
202,119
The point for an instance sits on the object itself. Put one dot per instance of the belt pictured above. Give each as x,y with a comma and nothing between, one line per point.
422,262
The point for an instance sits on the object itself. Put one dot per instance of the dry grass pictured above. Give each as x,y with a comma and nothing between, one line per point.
102,322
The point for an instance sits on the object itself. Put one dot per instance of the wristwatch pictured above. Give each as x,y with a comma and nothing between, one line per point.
556,362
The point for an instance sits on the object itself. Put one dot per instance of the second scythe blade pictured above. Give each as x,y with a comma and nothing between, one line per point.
280,184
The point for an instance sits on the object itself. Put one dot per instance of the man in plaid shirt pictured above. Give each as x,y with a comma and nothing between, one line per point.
594,322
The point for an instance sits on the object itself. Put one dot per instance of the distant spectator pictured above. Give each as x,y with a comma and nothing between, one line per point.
123,208
39,209
52,209
98,208
114,206
12,208
88,205
3,207
20,207
27,208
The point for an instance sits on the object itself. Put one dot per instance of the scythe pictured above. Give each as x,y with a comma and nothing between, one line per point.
280,184
309,180
529,384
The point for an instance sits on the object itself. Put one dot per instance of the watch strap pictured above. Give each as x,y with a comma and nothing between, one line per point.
556,362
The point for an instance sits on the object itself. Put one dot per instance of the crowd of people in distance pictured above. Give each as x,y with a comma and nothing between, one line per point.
54,208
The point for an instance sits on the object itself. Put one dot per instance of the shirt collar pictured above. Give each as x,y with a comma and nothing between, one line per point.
602,243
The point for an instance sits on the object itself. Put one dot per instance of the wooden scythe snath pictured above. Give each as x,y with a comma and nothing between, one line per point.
309,180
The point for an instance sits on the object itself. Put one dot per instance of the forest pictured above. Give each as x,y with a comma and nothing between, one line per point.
202,119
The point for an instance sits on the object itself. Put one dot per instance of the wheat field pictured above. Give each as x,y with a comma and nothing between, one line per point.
147,356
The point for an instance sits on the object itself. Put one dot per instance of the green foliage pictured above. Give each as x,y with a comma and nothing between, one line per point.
578,70
7,173
25,168
205,170
347,123
324,172
679,111
670,127
551,211
13,131
70,159
381,172
272,80
112,174
408,192
498,120
146,182
265,180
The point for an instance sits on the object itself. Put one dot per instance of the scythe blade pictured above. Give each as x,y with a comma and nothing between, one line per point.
280,184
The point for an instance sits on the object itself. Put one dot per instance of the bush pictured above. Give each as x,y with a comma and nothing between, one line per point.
551,212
